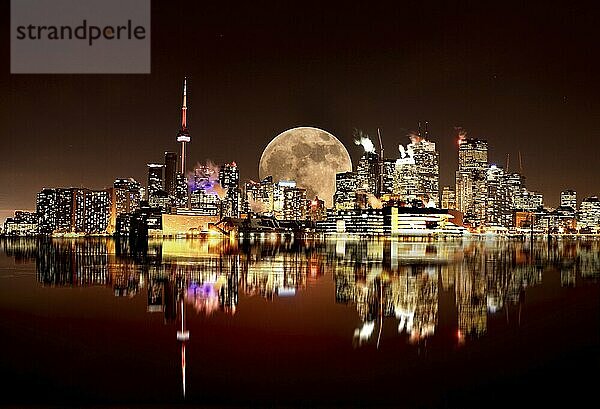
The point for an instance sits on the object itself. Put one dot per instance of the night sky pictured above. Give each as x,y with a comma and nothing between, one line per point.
524,76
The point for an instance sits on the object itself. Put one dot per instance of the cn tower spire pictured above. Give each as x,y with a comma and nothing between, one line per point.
183,135
184,106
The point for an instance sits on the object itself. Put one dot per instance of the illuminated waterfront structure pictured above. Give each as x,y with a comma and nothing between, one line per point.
427,168
170,173
183,135
471,178
316,210
388,169
569,198
367,173
448,198
127,194
345,191
74,210
259,196
294,203
416,174
497,209
405,176
229,179
589,214
23,223
279,197
155,178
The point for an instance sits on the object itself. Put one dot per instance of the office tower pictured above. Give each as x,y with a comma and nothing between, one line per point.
127,195
316,210
205,202
155,178
589,215
259,196
448,198
417,173
345,191
73,210
294,203
427,167
568,198
229,179
171,173
388,168
183,135
97,209
367,173
498,211
528,201
44,208
515,182
471,179
181,190
279,196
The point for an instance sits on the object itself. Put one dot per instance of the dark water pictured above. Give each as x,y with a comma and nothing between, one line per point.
300,323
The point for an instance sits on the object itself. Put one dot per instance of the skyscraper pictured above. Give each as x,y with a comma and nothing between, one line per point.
294,203
229,179
367,173
448,198
183,135
589,217
427,167
498,211
568,198
471,179
155,178
345,191
170,173
417,173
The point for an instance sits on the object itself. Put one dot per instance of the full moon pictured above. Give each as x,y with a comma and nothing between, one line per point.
309,156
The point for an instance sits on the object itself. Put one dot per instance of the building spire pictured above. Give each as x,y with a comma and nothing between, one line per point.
184,106
183,135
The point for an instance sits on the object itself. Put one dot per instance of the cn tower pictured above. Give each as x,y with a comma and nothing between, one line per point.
183,135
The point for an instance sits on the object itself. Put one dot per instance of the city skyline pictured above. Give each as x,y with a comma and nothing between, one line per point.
464,69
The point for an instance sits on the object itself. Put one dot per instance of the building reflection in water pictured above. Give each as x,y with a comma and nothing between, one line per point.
382,279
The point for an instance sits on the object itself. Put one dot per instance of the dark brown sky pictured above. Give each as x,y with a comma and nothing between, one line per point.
524,76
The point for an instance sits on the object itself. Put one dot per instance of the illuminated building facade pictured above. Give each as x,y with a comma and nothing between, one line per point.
345,191
316,210
388,169
294,203
589,215
497,211
229,179
448,198
183,135
279,197
205,202
568,198
155,178
23,223
405,176
127,194
170,173
471,179
259,196
74,210
427,169
367,173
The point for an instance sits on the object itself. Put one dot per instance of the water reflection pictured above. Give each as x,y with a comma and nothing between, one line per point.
382,280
